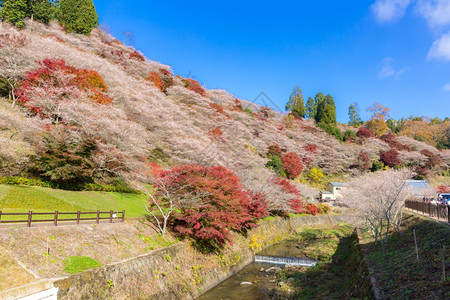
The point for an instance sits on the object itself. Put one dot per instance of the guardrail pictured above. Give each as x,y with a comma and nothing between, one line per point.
59,217
441,211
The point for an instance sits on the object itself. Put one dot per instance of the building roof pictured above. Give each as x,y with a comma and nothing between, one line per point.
417,187
338,184
326,192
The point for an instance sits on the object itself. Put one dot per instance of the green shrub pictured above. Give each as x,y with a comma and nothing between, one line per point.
376,165
249,111
15,180
275,164
331,129
349,135
76,264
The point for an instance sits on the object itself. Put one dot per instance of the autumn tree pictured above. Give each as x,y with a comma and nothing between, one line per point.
390,158
380,198
78,16
353,115
377,124
295,103
311,108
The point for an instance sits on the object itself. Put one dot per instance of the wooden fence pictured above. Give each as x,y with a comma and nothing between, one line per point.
441,211
64,217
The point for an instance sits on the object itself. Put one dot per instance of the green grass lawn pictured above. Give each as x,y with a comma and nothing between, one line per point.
14,198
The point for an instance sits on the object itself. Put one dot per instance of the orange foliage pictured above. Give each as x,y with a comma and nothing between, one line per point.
156,80
216,132
194,86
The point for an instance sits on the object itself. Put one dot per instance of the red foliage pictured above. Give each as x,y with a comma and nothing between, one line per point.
166,77
311,148
17,41
216,132
221,203
296,202
292,165
62,80
136,55
217,107
194,86
237,105
257,206
363,160
433,159
390,158
392,141
311,209
274,150
421,172
117,53
364,133
443,189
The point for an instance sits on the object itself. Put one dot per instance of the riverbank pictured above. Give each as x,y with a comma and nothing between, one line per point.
340,273
398,273
180,271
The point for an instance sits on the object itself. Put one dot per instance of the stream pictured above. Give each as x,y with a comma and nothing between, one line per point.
257,279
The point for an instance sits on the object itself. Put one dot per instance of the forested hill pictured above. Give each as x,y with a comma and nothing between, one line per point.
78,109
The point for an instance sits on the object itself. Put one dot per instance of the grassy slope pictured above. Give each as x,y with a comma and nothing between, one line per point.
397,273
24,198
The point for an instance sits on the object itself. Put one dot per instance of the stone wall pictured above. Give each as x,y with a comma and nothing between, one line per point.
181,272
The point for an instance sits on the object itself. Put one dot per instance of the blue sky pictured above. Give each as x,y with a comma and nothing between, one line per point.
395,52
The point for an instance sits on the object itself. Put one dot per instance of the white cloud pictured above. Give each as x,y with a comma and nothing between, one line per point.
436,12
446,87
388,70
440,49
389,10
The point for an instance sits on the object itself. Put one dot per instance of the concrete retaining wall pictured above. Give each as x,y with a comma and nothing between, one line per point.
181,272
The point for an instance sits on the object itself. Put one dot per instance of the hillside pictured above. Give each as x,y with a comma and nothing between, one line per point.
141,115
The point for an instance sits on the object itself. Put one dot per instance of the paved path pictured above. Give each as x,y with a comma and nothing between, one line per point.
443,221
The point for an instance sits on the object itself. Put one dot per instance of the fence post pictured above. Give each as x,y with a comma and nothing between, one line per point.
110,216
78,217
0,216
98,216
30,215
123,216
55,221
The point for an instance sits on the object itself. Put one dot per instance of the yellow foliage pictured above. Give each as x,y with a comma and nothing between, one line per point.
316,175
254,242
377,126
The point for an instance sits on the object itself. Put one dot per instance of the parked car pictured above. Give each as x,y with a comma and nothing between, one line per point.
444,198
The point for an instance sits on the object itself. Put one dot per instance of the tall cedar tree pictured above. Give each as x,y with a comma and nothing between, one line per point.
353,115
295,103
311,108
78,16
14,12
41,10
326,109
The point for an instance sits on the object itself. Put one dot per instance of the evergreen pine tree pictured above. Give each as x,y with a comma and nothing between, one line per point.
14,12
326,109
78,16
40,10
353,115
311,108
295,103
